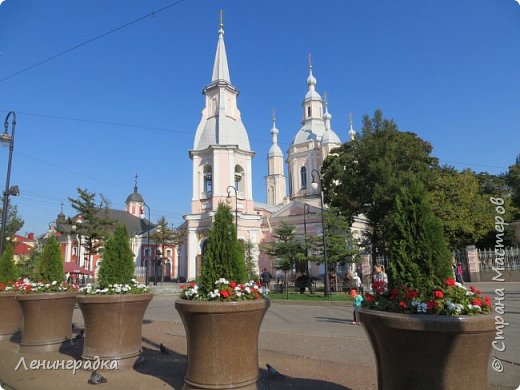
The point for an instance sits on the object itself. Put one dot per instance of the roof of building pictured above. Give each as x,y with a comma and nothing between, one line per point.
135,196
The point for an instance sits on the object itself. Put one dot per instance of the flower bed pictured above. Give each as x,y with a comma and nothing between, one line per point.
9,286
134,287
450,299
225,291
25,286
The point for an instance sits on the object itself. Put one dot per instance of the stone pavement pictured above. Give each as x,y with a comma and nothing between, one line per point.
314,346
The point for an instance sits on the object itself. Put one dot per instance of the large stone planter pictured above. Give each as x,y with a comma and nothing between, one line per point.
222,340
11,314
429,352
113,327
47,320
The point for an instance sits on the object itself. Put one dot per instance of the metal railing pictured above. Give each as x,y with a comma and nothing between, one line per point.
510,261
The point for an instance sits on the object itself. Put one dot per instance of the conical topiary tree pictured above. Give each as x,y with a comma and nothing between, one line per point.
50,263
8,271
419,255
118,260
224,256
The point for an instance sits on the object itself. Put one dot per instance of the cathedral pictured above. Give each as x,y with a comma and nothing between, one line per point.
222,171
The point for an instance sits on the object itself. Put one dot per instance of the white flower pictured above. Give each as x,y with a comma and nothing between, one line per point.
239,293
54,282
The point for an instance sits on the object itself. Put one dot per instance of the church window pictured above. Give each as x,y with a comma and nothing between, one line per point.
239,179
303,177
309,111
208,180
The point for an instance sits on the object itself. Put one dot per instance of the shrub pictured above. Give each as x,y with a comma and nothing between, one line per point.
8,271
117,266
224,256
50,262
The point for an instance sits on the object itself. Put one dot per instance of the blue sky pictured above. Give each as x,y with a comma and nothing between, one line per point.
447,70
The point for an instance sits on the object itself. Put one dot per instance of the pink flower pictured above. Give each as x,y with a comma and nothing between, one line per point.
438,294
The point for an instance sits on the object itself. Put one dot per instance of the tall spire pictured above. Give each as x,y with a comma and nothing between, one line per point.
351,132
274,130
135,184
220,68
326,115
311,80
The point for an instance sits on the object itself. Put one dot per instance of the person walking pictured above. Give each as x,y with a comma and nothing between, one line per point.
266,278
358,301
380,275
459,273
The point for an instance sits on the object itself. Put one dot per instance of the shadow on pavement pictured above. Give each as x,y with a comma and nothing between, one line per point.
335,320
170,367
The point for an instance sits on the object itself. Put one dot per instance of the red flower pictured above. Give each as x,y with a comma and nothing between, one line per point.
224,294
369,297
28,287
394,293
411,294
232,284
192,284
476,302
182,286
473,289
438,294
431,305
450,282
379,286
403,304
487,300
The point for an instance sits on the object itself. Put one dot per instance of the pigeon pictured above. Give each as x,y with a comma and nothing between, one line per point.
163,349
273,373
96,379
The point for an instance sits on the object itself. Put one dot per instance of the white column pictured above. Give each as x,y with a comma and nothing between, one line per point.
192,252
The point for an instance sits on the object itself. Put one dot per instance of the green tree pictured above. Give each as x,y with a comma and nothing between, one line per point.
248,248
118,260
8,271
224,256
50,262
95,222
456,199
28,265
513,181
419,255
363,176
14,221
285,249
341,246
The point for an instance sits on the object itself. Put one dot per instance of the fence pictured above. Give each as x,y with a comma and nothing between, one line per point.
140,274
511,260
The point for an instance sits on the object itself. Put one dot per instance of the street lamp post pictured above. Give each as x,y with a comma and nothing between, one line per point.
147,261
306,210
315,173
228,200
6,138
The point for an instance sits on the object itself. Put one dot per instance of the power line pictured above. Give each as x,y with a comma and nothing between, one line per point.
84,43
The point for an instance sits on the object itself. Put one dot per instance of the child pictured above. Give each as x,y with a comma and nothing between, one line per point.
358,300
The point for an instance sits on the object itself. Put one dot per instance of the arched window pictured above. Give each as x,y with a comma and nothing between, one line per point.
239,179
303,177
208,180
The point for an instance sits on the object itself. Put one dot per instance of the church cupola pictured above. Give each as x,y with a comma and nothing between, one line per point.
351,133
275,179
135,201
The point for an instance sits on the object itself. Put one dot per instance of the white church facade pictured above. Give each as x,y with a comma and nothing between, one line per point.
222,171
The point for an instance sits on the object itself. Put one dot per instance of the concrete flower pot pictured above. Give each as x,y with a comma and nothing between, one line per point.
429,352
113,327
222,340
11,314
47,320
